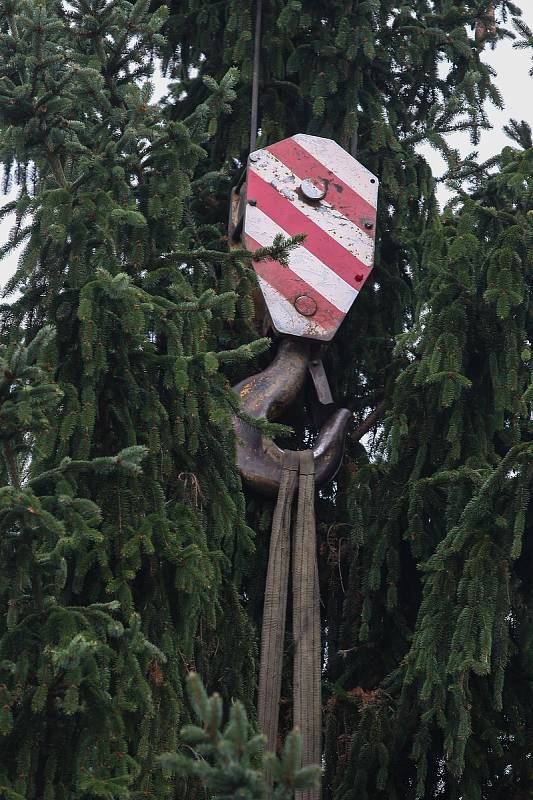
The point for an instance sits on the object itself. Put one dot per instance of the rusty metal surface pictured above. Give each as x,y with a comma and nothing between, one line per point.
268,394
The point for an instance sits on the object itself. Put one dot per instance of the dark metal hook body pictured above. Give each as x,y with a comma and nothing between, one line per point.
268,394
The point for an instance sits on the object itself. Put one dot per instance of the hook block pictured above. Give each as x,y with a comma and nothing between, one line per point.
310,185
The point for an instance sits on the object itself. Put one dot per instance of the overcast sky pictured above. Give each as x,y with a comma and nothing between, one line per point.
515,84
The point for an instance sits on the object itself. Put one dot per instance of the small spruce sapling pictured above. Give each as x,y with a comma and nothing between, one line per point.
229,759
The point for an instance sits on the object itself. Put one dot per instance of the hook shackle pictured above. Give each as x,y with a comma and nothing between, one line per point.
268,394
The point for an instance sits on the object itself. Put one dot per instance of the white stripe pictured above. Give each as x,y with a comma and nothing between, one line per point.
342,164
306,265
286,319
331,221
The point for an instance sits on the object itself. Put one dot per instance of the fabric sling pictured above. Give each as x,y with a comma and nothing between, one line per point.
298,469
306,624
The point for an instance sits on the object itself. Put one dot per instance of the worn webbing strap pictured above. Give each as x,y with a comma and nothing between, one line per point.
275,604
306,624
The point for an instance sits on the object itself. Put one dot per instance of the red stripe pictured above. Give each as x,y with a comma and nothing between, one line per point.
290,286
330,252
339,195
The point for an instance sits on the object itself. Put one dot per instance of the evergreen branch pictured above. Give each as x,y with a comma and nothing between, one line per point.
11,463
279,250
128,459
57,167
35,577
369,422
453,541
244,352
227,758
270,429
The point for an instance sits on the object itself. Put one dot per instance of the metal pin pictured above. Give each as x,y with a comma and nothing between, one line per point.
313,189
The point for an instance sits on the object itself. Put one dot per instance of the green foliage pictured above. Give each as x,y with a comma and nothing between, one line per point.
429,521
127,551
229,760
449,494
123,526
57,658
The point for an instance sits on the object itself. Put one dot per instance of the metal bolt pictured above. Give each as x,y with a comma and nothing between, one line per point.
369,225
305,305
256,156
252,201
313,189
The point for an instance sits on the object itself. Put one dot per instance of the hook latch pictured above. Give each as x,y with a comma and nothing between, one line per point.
320,381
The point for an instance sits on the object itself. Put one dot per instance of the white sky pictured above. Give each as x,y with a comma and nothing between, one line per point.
515,84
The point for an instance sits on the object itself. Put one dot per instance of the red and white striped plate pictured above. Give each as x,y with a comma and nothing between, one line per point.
311,185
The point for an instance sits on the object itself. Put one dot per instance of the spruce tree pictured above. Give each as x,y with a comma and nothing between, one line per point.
118,576
439,602
130,554
227,759
433,360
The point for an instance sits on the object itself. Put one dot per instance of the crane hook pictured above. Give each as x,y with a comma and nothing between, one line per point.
268,394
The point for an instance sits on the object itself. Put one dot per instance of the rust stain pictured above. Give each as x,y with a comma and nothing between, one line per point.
245,391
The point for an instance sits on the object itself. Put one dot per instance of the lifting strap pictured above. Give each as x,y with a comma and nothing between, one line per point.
275,604
306,623
298,469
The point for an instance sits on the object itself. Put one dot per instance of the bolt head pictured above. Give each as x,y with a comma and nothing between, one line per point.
305,305
255,156
313,188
